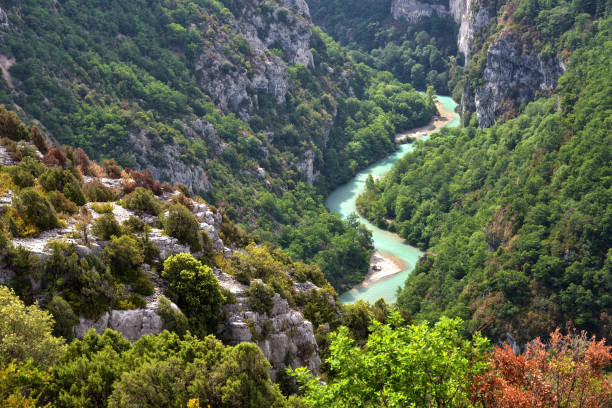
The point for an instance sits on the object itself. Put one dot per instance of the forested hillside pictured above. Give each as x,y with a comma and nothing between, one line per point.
240,110
164,166
516,219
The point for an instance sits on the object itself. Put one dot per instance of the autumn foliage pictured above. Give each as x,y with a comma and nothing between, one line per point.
568,371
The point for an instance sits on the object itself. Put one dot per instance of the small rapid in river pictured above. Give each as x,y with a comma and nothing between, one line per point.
389,245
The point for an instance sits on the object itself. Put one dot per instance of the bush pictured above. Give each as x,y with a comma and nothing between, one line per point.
21,178
135,224
64,317
55,158
260,297
183,225
103,208
174,319
106,226
125,257
38,209
197,290
64,181
143,286
111,168
61,203
97,192
142,201
25,332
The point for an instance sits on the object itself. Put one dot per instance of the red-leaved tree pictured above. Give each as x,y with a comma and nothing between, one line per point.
566,372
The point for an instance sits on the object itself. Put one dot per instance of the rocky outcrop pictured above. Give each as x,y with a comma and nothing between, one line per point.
286,26
286,339
414,11
306,166
512,76
166,163
4,20
471,20
5,157
133,324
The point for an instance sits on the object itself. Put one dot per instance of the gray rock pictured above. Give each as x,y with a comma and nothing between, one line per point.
132,324
5,156
414,11
286,339
512,76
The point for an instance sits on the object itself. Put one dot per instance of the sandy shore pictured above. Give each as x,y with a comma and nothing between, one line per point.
435,125
382,266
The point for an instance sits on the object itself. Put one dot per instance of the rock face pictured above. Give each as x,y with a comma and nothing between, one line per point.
284,25
510,77
286,339
414,11
165,161
471,19
4,20
133,324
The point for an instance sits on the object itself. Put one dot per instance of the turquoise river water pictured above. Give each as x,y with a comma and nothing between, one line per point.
342,201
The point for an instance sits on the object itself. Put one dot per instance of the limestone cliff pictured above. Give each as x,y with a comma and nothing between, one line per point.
512,72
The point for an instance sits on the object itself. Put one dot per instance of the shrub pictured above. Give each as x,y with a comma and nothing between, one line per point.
38,209
82,160
21,177
143,286
55,158
183,225
260,297
144,180
135,224
103,208
125,257
197,290
11,126
106,226
182,199
39,140
64,317
111,168
150,251
174,319
136,301
25,332
97,192
64,181
61,203
142,201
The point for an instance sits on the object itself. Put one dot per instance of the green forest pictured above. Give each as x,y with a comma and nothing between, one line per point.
515,218
164,235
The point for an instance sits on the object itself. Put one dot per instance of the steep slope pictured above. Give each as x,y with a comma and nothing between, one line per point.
97,251
516,217
240,101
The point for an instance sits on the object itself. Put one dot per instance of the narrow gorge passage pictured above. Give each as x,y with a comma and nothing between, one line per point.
395,253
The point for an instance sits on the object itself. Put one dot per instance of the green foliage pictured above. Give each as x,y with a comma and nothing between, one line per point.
142,201
65,182
64,317
85,283
95,191
38,209
106,226
197,291
260,297
162,371
125,257
25,333
518,224
61,203
181,224
174,320
399,367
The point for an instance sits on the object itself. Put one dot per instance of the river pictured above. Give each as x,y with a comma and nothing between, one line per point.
342,201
